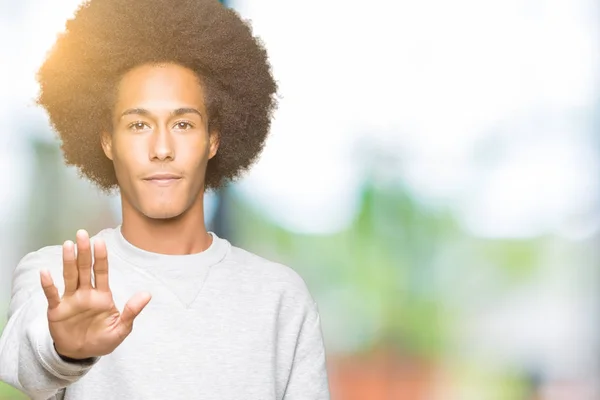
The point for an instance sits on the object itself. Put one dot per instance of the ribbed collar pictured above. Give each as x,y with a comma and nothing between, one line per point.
145,259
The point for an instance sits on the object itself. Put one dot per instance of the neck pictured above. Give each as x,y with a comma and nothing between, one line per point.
184,234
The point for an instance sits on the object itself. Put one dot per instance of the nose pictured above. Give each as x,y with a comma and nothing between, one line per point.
162,147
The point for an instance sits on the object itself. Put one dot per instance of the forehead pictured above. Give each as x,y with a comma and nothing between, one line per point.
160,86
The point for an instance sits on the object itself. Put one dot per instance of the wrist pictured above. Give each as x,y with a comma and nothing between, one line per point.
72,360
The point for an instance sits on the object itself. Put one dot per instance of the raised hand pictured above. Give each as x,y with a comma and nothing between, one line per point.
85,322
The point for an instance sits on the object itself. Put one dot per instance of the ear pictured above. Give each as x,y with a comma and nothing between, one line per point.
214,144
106,139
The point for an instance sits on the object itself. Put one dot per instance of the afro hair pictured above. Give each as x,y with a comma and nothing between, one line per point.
107,38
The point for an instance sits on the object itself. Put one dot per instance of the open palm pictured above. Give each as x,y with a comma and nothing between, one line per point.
85,322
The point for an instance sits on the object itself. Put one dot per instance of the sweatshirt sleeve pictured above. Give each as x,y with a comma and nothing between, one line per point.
28,360
308,376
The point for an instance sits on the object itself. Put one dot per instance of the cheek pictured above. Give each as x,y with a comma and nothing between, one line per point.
127,157
193,153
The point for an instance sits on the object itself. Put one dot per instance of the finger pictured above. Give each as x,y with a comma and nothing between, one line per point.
132,309
50,290
101,265
70,274
84,259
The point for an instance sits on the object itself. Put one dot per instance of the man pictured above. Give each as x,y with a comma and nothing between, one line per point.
161,99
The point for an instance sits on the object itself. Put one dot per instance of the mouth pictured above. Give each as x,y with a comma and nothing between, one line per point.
163,179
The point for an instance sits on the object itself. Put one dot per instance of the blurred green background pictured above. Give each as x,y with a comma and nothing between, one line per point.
435,184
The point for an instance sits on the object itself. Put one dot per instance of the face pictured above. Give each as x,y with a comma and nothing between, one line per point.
160,144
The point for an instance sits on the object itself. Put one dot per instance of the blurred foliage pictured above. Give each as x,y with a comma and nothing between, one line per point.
392,261
9,393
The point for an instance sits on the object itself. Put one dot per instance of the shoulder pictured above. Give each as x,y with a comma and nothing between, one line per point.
27,271
271,275
26,276
48,256
42,257
105,234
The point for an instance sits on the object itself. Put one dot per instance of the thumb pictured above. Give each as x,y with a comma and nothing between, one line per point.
134,307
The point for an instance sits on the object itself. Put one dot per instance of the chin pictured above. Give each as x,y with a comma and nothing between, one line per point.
162,214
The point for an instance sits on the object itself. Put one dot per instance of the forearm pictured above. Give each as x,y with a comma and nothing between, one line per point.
28,360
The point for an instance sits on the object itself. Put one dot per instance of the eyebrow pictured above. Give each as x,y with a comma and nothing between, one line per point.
174,113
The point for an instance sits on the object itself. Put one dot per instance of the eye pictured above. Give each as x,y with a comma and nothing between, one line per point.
183,125
137,126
